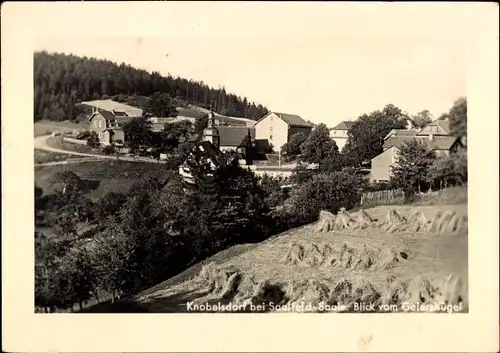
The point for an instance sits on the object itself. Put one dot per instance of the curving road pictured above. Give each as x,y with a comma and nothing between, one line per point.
41,144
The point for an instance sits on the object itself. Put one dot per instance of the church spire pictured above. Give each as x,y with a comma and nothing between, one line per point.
211,133
211,120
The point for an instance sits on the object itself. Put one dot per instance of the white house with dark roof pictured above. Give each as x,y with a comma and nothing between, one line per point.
278,128
339,133
108,125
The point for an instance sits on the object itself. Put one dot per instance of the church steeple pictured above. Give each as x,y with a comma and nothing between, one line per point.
211,133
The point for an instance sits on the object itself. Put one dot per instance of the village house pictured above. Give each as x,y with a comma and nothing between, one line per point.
108,118
339,133
434,135
278,128
108,126
217,140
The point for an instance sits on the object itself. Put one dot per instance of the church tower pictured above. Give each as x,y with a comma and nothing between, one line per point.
211,133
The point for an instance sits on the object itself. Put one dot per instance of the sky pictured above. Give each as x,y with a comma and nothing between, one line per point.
326,62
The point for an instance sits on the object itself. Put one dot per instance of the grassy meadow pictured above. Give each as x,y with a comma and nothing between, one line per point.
111,175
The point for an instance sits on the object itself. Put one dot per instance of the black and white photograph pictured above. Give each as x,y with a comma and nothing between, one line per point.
161,193
211,171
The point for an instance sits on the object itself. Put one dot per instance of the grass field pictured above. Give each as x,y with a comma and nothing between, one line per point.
46,127
112,175
58,142
45,156
425,261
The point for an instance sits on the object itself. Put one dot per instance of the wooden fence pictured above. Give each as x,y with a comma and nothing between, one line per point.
382,197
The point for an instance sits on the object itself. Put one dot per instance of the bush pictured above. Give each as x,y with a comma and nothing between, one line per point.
301,174
448,171
274,194
109,149
93,140
380,186
326,192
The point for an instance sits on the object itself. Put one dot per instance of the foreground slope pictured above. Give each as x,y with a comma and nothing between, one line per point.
331,269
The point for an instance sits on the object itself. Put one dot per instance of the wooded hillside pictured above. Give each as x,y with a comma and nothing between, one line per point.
61,81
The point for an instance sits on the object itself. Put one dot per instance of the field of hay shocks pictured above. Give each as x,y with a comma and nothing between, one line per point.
424,261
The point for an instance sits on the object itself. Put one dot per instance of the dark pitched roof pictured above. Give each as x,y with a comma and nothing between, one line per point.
437,143
293,120
234,136
105,114
344,125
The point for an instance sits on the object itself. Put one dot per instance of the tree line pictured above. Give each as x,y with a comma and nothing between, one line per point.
61,81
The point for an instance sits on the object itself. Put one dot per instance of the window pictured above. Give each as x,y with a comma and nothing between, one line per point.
99,134
270,137
270,129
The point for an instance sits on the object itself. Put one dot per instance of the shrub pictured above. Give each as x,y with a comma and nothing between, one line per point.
448,170
292,147
109,149
83,135
301,174
93,140
326,192
274,194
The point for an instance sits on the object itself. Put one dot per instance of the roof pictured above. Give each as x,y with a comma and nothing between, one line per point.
120,113
105,114
293,120
234,136
290,119
444,125
437,143
109,105
344,125
400,132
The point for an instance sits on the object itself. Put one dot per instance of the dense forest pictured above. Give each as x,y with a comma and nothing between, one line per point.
61,81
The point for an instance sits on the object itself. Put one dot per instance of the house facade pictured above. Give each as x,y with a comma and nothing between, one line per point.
339,133
435,136
278,128
108,127
381,165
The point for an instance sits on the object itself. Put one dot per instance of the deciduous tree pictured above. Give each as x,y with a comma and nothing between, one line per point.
366,135
412,166
320,149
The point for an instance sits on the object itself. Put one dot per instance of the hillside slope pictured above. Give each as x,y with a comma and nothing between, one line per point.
303,265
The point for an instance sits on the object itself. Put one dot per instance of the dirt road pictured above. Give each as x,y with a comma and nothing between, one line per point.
41,144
